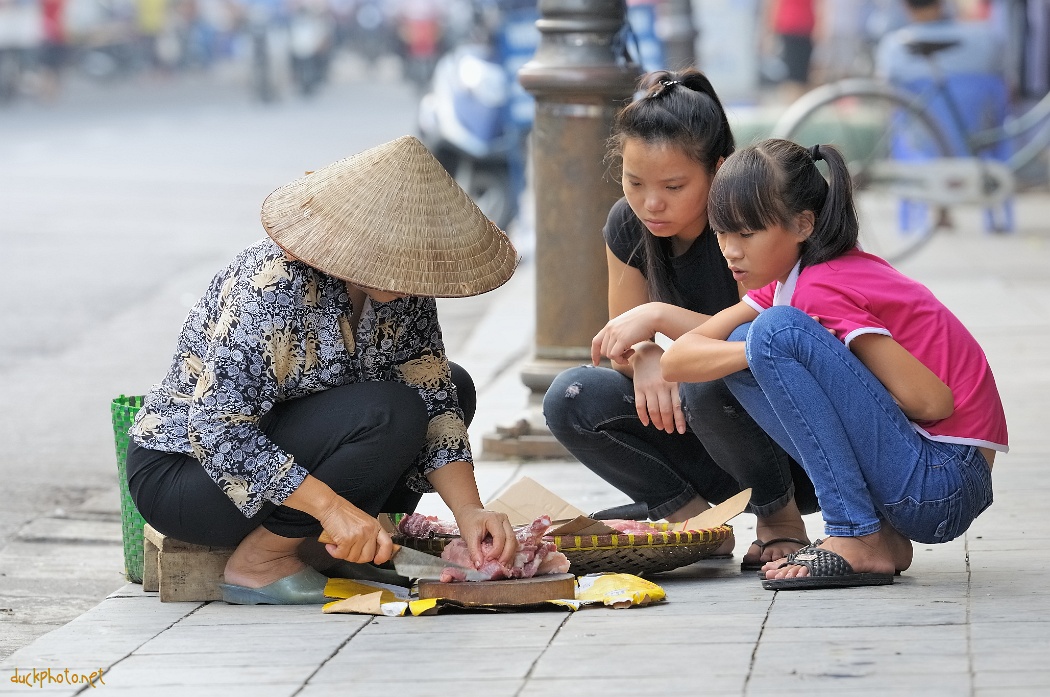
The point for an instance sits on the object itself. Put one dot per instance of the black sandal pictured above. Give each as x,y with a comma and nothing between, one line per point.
826,570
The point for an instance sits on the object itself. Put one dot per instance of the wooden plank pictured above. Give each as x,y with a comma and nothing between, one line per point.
514,591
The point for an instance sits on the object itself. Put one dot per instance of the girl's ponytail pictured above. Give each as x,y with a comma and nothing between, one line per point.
835,228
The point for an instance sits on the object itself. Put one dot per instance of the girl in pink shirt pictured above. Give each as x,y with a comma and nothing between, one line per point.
858,371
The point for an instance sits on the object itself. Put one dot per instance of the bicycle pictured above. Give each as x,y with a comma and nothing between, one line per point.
905,164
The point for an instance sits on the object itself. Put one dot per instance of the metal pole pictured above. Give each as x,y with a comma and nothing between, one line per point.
580,76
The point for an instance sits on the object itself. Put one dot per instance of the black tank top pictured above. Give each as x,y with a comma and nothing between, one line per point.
700,275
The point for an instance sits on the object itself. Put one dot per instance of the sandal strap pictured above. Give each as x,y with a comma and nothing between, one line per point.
820,562
762,545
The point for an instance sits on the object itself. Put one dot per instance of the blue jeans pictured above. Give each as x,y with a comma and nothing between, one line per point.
866,461
591,411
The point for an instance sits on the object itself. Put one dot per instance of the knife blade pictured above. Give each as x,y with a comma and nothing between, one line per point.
415,564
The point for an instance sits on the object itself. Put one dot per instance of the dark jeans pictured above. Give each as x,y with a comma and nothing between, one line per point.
360,439
591,411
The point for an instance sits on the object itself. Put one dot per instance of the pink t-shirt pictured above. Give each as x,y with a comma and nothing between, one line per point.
859,293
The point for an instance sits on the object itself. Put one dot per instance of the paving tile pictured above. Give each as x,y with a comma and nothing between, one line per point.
223,614
991,680
610,660
1036,630
495,663
324,639
409,641
148,672
988,608
668,679
845,608
503,622
432,687
101,636
900,635
861,656
259,690
885,682
690,629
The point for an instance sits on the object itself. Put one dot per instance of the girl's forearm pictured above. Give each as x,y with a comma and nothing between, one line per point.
697,358
673,321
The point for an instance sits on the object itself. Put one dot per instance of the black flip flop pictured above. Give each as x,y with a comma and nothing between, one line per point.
826,570
757,565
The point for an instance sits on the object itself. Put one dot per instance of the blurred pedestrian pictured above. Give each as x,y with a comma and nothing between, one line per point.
150,18
842,47
791,25
53,47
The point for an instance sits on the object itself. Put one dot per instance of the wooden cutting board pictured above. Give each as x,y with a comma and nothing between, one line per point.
511,591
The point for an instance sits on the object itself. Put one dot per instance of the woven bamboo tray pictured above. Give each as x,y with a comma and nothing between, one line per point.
661,550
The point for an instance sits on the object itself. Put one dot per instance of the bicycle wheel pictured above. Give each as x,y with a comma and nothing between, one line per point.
884,136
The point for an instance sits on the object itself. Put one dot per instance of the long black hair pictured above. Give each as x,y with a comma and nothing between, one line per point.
773,181
680,109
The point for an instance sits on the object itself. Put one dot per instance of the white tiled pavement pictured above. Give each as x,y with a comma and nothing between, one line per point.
971,617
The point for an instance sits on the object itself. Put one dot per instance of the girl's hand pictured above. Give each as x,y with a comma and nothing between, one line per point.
359,537
656,400
816,319
617,338
476,524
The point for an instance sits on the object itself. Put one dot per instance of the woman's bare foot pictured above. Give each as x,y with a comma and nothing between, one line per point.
785,524
690,510
262,558
883,552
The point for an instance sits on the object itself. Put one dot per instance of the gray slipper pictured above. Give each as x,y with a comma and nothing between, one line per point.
303,588
826,570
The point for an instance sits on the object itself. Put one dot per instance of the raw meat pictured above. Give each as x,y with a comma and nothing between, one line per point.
535,557
425,526
631,527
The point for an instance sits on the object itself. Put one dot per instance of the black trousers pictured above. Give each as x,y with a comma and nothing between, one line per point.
360,439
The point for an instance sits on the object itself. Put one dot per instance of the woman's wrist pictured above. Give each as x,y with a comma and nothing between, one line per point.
314,498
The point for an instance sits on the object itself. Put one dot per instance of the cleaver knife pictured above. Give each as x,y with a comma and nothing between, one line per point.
415,564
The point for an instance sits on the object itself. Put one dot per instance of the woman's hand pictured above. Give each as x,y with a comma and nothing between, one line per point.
455,482
358,536
617,338
476,524
656,400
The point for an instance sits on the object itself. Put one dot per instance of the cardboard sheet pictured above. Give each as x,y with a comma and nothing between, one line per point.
526,500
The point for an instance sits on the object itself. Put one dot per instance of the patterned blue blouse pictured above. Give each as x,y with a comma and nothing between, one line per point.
270,329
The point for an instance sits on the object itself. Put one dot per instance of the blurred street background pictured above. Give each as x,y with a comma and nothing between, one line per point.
139,137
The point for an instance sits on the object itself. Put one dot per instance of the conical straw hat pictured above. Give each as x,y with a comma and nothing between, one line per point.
392,219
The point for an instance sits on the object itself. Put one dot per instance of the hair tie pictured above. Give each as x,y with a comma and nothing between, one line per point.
660,87
815,153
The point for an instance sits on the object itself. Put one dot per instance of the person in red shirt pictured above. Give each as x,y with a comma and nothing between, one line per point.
54,45
792,24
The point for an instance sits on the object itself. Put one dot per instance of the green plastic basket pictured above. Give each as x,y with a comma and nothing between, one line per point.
124,410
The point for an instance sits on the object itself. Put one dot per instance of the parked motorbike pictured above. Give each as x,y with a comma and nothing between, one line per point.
463,120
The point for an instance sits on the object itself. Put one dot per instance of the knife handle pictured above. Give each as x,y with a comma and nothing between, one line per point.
326,539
